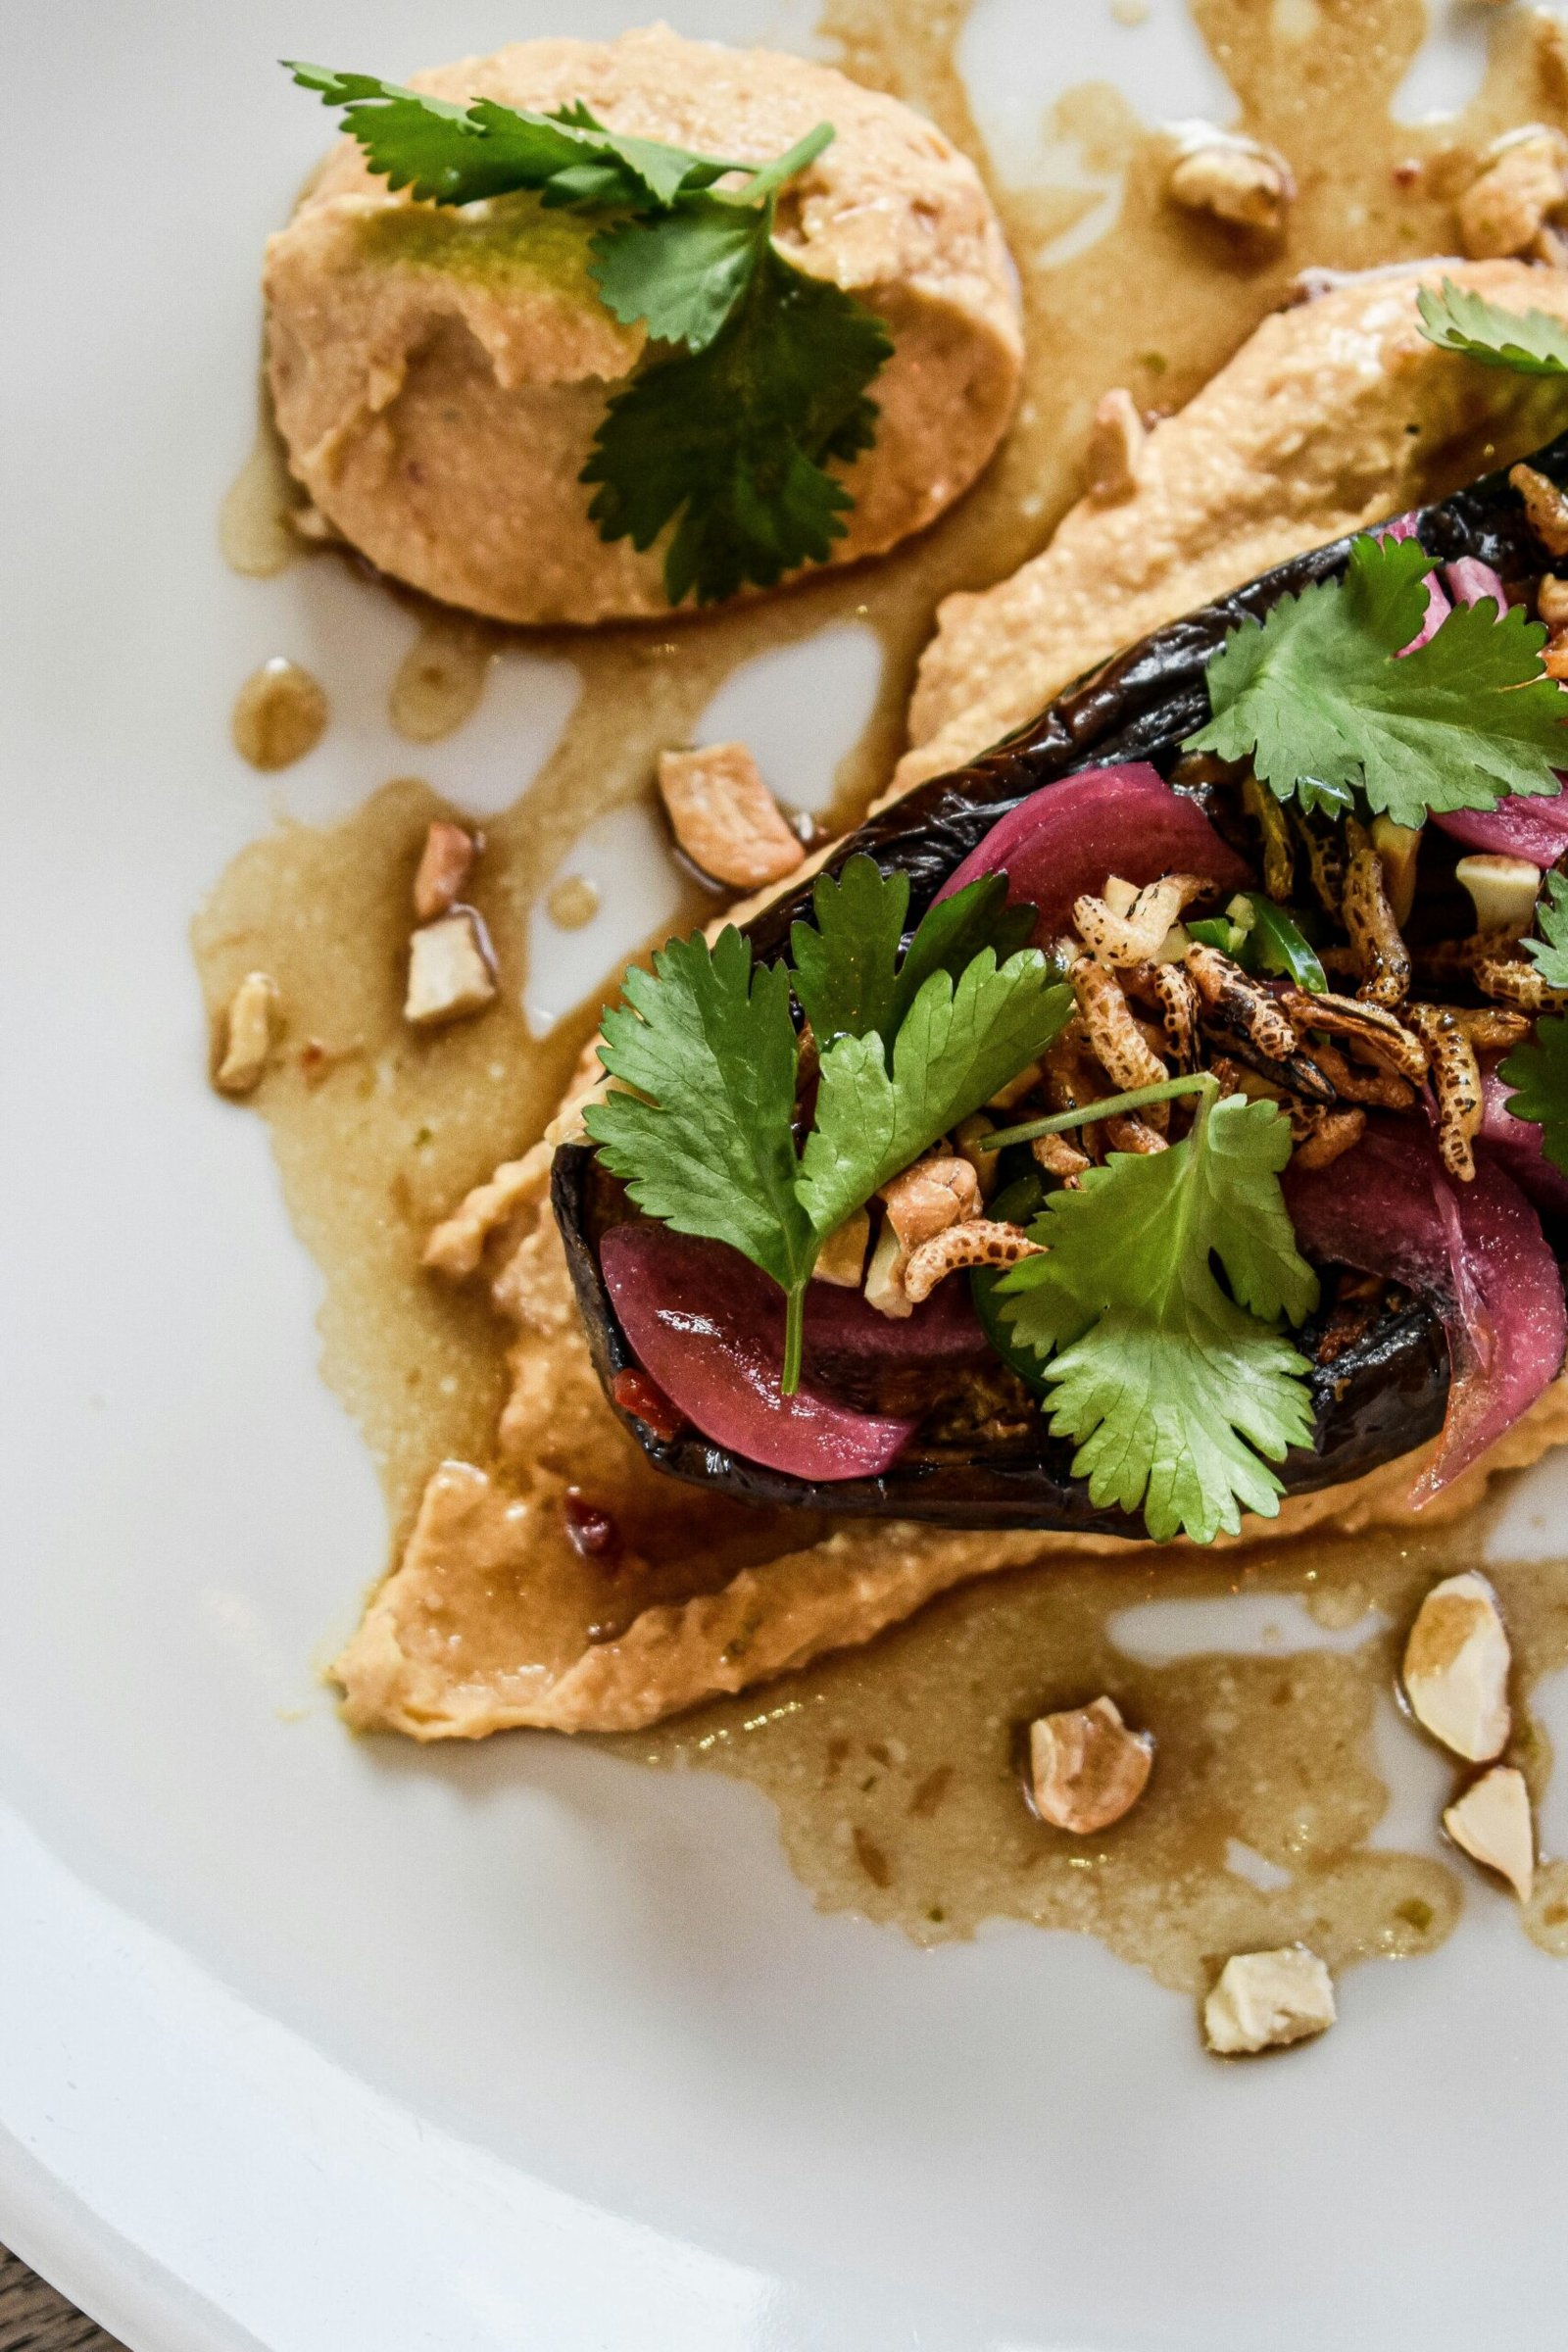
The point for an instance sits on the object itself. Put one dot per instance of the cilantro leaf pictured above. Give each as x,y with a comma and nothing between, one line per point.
684,273
846,965
731,443
958,1045
705,1142
1318,695
450,154
1172,1387
1539,1072
954,931
1550,951
1528,343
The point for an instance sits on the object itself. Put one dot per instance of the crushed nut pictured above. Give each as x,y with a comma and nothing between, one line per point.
1234,180
1116,445
1086,1768
1456,1664
455,1245
1124,937
978,1242
1545,505
1491,1821
924,1201
255,1011
1380,951
1456,1082
444,866
451,970
1265,2000
884,1277
1521,186
725,818
1504,891
841,1260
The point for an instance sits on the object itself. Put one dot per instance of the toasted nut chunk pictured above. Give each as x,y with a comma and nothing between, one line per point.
444,866
1399,849
450,970
1505,210
930,1197
884,1277
1379,1036
978,1242
1379,1088
1324,1136
455,1245
1086,1768
1264,2000
1381,956
1233,178
1132,935
1491,1821
1504,891
1516,983
1545,505
841,1260
1115,446
987,1165
1456,1668
1457,1081
725,818
254,1014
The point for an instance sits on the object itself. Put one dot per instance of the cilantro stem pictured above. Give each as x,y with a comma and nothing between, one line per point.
1201,1082
783,166
794,1338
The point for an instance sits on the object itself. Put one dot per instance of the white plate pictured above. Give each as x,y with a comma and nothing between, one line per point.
320,2045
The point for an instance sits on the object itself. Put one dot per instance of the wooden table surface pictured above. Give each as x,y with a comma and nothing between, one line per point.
35,2318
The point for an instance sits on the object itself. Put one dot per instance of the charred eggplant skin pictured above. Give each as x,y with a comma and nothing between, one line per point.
1378,1398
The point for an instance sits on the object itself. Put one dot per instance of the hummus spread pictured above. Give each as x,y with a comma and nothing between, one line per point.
439,373
1333,414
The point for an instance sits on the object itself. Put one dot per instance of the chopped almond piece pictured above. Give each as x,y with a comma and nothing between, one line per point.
450,970
725,818
444,867
1086,1768
1116,445
1456,1668
254,1012
1265,2000
1235,179
884,1277
841,1260
1492,1822
1502,891
1505,210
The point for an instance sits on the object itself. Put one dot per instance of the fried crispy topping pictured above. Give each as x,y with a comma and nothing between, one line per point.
1321,1136
1517,983
1325,859
1252,1021
1116,439
1545,505
1456,1082
1176,993
1128,1132
1060,1156
928,1198
1267,813
1123,939
978,1242
1489,1029
1380,955
1382,1036
1118,1044
1379,1088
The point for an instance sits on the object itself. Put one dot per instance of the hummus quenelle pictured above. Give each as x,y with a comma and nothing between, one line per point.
439,373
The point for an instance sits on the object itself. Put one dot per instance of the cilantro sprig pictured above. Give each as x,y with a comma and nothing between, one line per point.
757,384
1323,700
1526,343
1551,949
706,1061
1178,1392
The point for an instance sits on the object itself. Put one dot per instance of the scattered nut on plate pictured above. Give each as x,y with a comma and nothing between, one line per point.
1086,1768
1233,178
725,818
1492,1822
255,1012
1265,2000
1456,1668
450,971
445,864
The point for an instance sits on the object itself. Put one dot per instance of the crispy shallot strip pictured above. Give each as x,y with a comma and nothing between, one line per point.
1279,851
1321,1136
978,1242
1117,1041
1124,939
1457,1083
1488,1028
1252,1023
1517,984
1381,1088
1177,995
1382,956
1382,1036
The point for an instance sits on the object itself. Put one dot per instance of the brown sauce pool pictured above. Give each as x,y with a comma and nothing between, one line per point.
893,1768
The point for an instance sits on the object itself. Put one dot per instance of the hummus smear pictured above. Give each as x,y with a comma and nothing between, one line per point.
439,374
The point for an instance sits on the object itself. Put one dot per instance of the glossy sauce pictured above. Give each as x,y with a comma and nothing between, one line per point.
279,714
894,1767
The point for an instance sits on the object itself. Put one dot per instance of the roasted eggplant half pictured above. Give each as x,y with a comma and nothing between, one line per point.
1332,965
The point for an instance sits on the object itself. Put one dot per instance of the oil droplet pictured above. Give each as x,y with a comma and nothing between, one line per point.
254,529
441,678
280,714
572,903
